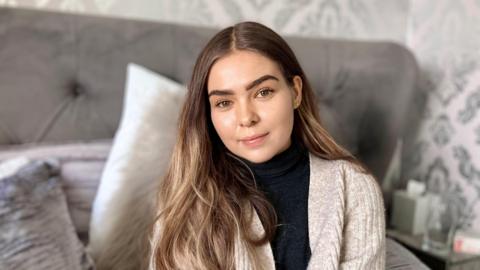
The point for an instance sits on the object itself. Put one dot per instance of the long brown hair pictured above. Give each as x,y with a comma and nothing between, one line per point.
207,197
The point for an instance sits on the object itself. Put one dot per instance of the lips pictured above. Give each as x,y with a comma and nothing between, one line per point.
254,140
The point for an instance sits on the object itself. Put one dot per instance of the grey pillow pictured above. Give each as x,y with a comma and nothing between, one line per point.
35,227
82,163
400,258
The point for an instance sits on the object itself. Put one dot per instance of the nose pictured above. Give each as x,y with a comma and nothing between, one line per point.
247,115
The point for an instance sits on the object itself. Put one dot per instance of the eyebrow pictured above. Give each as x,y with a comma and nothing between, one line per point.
251,85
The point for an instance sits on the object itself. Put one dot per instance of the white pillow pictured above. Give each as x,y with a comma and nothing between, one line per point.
124,205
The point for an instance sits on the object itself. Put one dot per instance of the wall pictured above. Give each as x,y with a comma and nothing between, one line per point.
346,18
445,37
443,34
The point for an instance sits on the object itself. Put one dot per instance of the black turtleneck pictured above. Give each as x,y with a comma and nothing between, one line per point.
285,179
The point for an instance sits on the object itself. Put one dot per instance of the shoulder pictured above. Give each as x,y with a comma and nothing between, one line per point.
358,196
356,184
343,169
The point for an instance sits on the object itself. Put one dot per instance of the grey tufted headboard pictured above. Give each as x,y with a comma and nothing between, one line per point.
62,78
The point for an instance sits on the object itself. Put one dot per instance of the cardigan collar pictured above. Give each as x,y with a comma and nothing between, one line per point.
319,202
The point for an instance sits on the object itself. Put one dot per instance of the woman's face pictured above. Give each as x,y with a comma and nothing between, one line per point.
252,106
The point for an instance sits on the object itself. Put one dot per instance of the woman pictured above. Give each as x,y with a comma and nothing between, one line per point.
255,181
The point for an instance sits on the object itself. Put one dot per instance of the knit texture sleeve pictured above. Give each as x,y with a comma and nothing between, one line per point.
363,243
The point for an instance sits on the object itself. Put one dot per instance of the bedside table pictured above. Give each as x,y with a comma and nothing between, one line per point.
436,260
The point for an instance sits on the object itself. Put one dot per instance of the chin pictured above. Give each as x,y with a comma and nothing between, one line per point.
257,156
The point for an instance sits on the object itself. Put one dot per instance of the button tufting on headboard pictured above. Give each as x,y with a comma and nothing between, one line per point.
77,89
366,90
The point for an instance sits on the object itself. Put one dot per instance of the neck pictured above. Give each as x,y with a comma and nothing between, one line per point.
281,163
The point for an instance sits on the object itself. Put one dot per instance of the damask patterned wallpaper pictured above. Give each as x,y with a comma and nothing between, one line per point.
443,34
339,18
445,37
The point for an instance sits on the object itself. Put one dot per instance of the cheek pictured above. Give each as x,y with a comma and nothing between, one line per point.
279,115
224,124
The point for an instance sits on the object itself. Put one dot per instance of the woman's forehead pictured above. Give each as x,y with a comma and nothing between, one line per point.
240,68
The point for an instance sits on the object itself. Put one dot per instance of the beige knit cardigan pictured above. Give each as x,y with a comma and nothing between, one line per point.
346,220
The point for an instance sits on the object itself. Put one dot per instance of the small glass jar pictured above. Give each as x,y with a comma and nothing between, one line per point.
440,225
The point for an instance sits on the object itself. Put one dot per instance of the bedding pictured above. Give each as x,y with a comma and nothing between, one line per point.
81,163
36,231
78,97
123,210
398,257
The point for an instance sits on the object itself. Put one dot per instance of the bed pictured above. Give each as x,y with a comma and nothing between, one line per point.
62,98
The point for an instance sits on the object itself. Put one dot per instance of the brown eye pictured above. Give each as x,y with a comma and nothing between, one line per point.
264,92
222,104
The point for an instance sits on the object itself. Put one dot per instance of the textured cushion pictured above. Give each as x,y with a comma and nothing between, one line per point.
81,162
400,258
124,206
35,228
